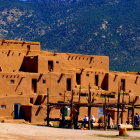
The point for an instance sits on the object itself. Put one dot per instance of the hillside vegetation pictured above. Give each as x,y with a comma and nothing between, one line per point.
96,27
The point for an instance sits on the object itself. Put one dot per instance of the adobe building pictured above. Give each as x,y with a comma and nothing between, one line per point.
26,72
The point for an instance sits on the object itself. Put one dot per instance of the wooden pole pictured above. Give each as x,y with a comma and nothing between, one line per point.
128,111
63,109
78,105
71,114
89,109
118,106
122,109
105,114
133,114
48,107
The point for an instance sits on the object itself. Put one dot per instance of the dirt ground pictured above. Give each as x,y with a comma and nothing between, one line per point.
10,131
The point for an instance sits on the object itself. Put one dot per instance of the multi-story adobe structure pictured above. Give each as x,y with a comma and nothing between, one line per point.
26,72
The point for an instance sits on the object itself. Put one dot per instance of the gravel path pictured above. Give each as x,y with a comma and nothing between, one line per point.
10,131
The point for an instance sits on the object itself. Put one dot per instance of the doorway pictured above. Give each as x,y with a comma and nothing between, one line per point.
96,80
123,84
16,111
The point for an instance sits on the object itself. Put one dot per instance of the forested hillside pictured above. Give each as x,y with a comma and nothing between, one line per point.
96,27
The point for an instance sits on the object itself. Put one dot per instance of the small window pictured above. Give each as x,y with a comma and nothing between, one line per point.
57,62
3,106
34,85
12,81
123,84
44,81
28,47
100,111
68,84
31,100
50,65
87,74
78,78
96,80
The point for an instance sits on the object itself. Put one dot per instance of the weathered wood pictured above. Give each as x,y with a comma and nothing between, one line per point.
89,109
133,114
105,126
118,106
71,114
63,117
122,109
48,107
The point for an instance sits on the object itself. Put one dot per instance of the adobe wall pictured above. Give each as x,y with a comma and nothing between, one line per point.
26,73
132,82
8,102
65,61
19,45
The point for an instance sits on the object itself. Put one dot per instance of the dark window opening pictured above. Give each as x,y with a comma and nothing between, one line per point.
12,81
44,81
34,85
96,80
84,94
57,62
123,84
50,65
78,78
31,100
68,84
28,47
16,111
29,64
3,106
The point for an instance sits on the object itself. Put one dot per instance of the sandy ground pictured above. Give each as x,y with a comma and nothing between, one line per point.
29,132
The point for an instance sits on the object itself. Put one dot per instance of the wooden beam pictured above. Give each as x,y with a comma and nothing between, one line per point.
71,114
118,105
48,108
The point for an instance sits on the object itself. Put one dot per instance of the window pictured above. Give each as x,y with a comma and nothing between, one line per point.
123,84
96,80
12,81
50,65
31,100
78,78
100,111
44,81
3,106
34,85
68,84
28,47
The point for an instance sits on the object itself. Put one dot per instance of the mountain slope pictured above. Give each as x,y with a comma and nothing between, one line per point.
97,27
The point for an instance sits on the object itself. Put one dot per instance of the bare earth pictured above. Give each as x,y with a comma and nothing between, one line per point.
29,132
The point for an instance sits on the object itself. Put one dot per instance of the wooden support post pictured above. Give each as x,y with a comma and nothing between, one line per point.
78,105
71,114
122,109
89,109
63,109
128,112
64,96
133,114
48,107
105,126
118,106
